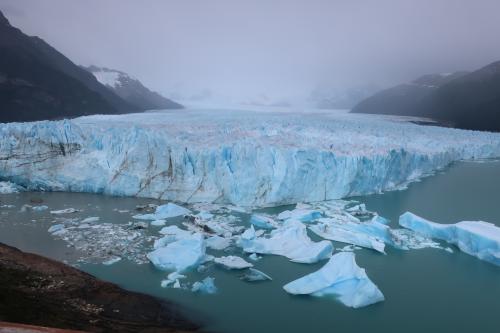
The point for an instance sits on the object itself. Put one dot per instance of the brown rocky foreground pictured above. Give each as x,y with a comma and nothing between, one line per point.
39,291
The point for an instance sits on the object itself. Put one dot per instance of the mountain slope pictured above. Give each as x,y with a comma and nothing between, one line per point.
464,100
37,82
405,99
131,89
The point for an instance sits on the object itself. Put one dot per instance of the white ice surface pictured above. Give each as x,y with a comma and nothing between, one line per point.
233,262
164,212
477,238
340,278
244,158
179,255
289,240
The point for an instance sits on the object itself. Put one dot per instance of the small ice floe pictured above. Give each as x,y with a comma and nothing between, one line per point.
25,208
302,215
263,221
90,219
349,248
39,208
254,257
372,235
64,211
158,223
179,255
224,226
205,286
111,261
56,229
204,215
218,243
7,206
340,278
253,275
289,240
232,262
173,279
164,212
477,238
9,188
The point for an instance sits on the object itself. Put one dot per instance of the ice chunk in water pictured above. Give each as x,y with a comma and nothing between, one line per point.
218,243
255,275
64,211
289,240
365,234
40,208
340,278
164,212
477,238
206,286
262,221
179,255
111,261
91,219
232,262
302,215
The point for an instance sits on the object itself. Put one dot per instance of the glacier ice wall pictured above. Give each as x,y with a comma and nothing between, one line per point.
248,158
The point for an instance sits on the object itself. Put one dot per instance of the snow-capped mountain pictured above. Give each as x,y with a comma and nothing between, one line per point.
131,89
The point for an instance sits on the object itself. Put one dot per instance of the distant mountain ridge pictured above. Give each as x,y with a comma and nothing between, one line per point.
131,89
468,100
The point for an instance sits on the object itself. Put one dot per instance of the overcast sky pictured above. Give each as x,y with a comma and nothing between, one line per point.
279,48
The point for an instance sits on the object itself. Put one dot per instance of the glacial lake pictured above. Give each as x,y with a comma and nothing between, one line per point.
427,290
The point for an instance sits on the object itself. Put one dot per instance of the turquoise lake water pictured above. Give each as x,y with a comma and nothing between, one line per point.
427,290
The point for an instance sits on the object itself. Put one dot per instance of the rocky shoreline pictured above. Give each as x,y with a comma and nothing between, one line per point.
39,291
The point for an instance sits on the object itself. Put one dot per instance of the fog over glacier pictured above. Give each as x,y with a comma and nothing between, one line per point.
266,51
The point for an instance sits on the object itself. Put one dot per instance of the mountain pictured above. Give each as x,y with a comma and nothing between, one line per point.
463,100
405,99
471,101
131,89
37,82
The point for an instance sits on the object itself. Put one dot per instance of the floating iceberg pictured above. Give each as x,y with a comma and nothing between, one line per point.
180,255
164,212
340,278
253,275
218,243
477,238
243,158
302,215
289,240
91,219
262,221
232,262
205,286
371,234
111,261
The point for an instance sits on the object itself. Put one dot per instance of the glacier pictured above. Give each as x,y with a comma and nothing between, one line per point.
340,278
477,238
242,158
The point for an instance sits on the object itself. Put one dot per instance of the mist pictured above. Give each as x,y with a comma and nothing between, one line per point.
277,50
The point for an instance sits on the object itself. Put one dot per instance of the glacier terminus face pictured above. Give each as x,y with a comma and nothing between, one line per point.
243,158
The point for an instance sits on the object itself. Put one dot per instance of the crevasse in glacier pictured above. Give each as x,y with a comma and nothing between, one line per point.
248,159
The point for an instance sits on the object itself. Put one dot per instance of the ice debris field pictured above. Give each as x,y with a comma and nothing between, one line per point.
242,158
203,237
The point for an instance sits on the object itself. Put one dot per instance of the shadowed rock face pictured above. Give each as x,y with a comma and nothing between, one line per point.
37,82
40,291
